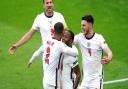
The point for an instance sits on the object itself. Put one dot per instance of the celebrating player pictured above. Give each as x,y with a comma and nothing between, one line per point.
52,50
68,66
70,75
92,46
44,23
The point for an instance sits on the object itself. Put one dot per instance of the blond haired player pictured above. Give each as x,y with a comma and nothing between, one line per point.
43,23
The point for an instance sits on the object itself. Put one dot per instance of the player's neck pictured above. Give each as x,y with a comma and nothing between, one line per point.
90,34
70,45
57,37
49,14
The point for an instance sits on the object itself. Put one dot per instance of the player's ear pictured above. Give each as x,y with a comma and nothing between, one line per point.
90,25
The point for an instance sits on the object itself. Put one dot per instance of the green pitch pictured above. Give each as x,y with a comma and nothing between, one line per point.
16,18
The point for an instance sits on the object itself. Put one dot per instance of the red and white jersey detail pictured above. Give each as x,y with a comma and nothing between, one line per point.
51,56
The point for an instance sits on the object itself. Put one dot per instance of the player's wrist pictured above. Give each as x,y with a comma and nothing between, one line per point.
109,59
15,45
30,63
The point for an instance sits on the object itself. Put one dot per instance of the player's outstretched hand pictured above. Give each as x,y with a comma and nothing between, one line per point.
12,49
105,61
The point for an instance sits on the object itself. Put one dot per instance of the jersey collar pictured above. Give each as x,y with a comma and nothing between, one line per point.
49,16
88,38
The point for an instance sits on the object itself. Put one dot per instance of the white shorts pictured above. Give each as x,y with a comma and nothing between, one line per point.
92,84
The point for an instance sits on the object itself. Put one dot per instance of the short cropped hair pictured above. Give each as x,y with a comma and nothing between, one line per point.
71,34
88,18
58,28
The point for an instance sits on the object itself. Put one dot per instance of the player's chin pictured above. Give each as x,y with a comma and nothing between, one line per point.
50,10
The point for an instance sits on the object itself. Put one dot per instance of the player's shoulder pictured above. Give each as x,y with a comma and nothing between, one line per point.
74,47
40,15
57,13
99,36
79,35
57,43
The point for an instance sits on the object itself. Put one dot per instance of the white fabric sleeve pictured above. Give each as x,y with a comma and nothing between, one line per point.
69,51
76,40
103,44
35,23
36,54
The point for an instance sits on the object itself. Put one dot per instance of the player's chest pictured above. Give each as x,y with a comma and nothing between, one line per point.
68,61
92,44
47,23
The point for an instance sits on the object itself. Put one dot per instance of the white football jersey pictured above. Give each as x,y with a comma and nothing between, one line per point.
67,64
52,51
91,50
46,24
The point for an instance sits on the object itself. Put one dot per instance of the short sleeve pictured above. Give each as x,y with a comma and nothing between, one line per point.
76,41
69,51
102,42
35,25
